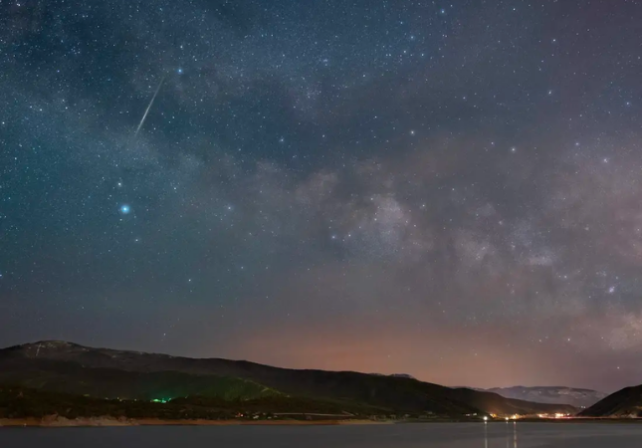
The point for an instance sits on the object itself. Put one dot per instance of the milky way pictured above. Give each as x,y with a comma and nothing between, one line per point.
449,190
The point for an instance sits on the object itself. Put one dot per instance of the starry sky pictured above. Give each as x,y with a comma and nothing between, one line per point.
451,190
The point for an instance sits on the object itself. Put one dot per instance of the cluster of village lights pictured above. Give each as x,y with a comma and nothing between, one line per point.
517,417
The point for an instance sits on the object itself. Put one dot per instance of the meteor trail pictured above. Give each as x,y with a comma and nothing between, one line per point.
142,121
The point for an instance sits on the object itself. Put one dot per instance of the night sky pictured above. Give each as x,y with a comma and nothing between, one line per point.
451,190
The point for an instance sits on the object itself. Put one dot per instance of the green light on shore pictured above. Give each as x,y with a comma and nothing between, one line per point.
161,400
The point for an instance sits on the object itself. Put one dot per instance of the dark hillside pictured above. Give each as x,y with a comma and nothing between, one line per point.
623,403
398,393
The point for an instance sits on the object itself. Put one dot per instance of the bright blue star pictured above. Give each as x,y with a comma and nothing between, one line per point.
180,71
125,209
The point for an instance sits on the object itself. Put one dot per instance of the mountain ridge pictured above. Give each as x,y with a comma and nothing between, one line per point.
391,392
574,396
626,402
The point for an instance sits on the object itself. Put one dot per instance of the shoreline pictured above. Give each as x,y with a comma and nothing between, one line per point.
54,421
62,422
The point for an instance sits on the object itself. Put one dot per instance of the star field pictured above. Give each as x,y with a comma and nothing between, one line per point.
450,190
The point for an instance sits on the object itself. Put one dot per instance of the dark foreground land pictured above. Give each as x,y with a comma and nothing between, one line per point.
457,435
37,408
29,407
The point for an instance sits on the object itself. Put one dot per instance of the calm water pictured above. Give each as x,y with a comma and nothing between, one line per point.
497,435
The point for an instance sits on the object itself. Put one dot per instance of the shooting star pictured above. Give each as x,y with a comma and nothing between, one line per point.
149,106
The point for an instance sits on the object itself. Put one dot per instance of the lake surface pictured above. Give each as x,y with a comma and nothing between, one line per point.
454,435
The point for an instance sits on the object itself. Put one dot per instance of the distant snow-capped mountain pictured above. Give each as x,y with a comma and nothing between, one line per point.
551,394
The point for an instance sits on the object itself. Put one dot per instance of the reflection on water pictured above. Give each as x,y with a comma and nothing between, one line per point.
485,434
511,435
514,434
